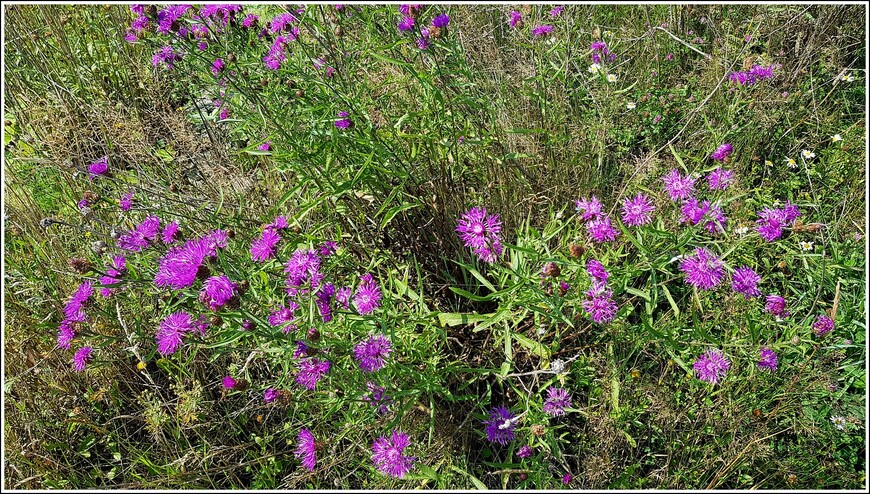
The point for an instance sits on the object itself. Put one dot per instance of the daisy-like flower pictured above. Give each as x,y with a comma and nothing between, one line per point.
768,163
823,325
712,366
371,352
791,163
744,280
631,105
776,305
81,358
839,422
636,211
172,330
847,78
741,230
677,186
601,230
594,68
368,295
836,138
306,449
806,245
500,425
703,269
558,399
388,454
611,78
767,359
807,154
310,371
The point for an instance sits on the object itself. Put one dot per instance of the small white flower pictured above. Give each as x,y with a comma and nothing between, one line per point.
847,77
611,77
807,154
608,33
806,245
836,138
742,230
768,163
557,366
839,421
594,68
791,163
631,105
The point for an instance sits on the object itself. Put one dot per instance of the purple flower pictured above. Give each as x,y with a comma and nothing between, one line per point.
172,330
302,267
310,371
264,247
65,334
692,211
283,315
703,269
126,201
306,449
542,30
441,20
566,479
217,66
99,167
823,325
228,382
371,352
636,211
282,22
720,179
179,267
141,236
525,451
600,52
515,18
596,270
165,56
81,358
775,305
744,280
167,19
771,221
388,454
377,397
712,366
588,209
599,305
250,20
270,395
677,186
601,230
558,399
328,248
722,152
343,121
266,146
217,291
557,11
406,24
423,43
169,231
368,295
500,425
767,360
716,220
754,75
480,231
342,296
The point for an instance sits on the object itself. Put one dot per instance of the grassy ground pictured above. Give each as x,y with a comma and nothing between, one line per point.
488,115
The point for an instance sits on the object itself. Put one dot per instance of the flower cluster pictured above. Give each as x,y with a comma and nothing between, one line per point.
598,224
600,53
74,314
771,221
265,246
180,267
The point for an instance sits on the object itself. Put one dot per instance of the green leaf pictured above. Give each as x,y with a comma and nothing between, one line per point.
640,293
671,300
456,318
474,480
533,346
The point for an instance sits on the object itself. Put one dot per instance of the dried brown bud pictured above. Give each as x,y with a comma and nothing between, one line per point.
80,265
577,250
538,430
551,269
300,94
339,32
231,58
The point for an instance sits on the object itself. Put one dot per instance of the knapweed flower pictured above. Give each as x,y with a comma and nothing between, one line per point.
557,11
599,305
310,371
720,179
166,57
406,24
172,330
767,359
776,305
636,211
99,167
371,352
283,315
588,209
441,21
368,295
823,325
601,230
500,425
250,21
567,478
217,66
677,186
65,333
302,267
716,220
81,358
600,53
180,266
754,75
807,154
703,269
516,19
712,366
722,152
558,399
217,291
771,221
264,247
342,296
378,398
744,280
839,422
542,30
141,236
228,382
270,395
480,231
596,270
126,201
328,248
168,233
388,454
343,122
306,449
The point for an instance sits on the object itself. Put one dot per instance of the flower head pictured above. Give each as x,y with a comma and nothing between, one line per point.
368,295
596,271
310,371
720,179
265,246
126,201
99,167
388,454
823,325
702,269
441,20
588,209
172,330
81,358
712,366
515,18
599,305
839,422
306,449
480,231
343,122
807,154
217,291
601,230
371,352
228,382
542,30
636,211
722,152
744,280
406,24
776,305
270,395
168,233
767,359
500,425
558,399
677,186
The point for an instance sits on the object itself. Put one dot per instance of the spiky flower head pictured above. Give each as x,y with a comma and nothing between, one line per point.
310,371
306,449
601,230
372,352
500,425
722,152
636,211
81,358
767,359
599,305
172,330
228,382
720,179
823,325
388,454
677,186
702,269
217,291
712,366
525,451
558,399
368,295
775,305
744,280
